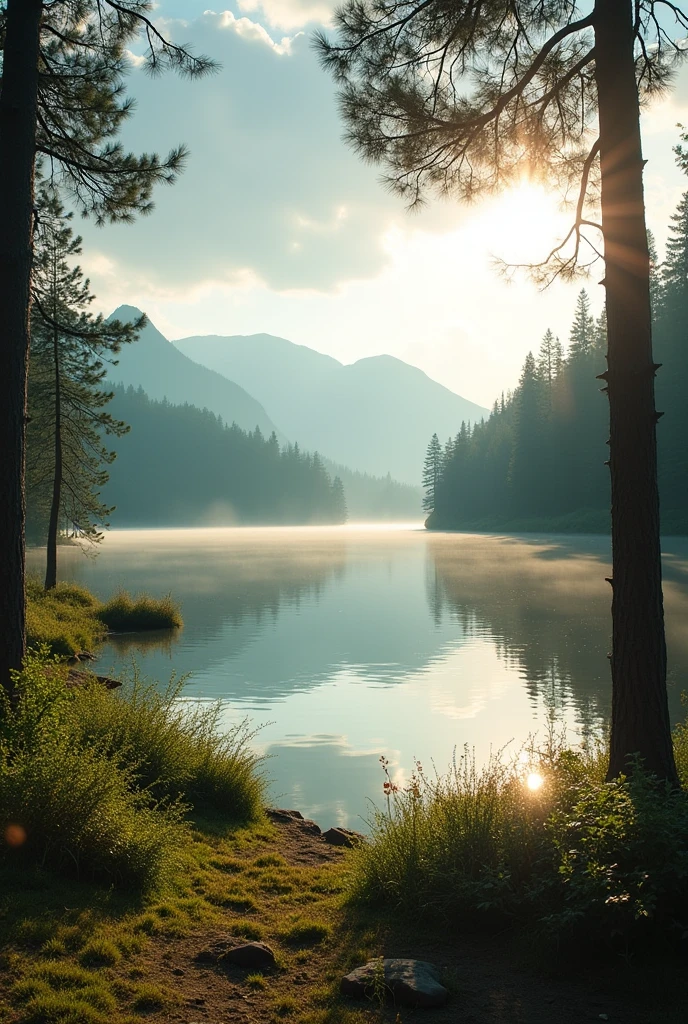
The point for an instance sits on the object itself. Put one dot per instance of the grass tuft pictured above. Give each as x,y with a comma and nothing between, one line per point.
305,932
62,619
69,620
149,999
126,614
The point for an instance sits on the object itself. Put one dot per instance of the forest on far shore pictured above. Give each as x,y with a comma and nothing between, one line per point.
539,460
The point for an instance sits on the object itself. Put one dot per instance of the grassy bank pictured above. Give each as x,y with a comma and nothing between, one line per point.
133,844
69,620
575,858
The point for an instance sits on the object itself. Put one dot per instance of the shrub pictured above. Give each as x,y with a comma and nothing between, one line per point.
124,614
62,619
178,748
579,854
69,620
71,806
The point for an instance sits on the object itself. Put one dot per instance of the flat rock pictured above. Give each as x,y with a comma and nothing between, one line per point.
338,836
250,954
406,982
293,818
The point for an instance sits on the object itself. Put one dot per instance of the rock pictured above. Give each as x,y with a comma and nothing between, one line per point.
406,982
282,814
251,954
78,678
338,836
293,818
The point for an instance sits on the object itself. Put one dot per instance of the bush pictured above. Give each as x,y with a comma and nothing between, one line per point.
62,619
69,620
73,806
98,783
177,748
577,855
124,614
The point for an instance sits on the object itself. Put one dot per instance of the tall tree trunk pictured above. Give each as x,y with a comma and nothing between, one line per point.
18,105
640,713
53,524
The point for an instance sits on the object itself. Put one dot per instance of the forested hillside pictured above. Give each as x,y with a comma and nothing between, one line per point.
182,466
373,415
155,365
539,460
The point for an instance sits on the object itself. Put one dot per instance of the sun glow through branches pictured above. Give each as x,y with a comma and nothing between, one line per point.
521,225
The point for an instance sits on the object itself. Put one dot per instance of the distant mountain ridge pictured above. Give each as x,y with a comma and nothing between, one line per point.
375,415
164,372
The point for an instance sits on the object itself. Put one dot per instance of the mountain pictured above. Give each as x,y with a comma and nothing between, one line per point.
376,415
163,371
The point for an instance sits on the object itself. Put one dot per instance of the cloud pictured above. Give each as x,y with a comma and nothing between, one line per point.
291,14
253,32
269,187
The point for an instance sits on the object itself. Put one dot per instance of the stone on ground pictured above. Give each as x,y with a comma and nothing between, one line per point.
249,954
406,982
338,836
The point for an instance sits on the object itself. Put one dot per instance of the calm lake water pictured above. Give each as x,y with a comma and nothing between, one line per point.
346,643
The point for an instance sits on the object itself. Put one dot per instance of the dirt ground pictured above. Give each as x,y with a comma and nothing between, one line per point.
491,980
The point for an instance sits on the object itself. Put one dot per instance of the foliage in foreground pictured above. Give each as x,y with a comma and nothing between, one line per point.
577,856
69,620
101,784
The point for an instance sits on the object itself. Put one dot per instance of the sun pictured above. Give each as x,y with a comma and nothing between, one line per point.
521,225
534,781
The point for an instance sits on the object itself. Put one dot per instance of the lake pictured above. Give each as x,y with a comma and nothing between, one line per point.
347,643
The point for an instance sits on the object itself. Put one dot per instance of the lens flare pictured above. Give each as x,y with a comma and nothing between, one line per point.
534,781
14,835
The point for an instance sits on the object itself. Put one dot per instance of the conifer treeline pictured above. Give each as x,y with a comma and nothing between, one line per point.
180,465
539,457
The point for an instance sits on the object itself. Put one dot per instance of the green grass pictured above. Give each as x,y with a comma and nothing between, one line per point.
63,619
181,750
577,857
102,784
126,614
69,620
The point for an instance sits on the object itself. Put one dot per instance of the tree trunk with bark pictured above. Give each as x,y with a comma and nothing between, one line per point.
18,107
640,713
54,522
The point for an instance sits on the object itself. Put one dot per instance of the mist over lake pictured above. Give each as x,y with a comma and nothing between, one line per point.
346,643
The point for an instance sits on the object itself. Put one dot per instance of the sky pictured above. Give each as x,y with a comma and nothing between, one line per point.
277,227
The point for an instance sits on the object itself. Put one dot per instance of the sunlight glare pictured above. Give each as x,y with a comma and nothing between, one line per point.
522,225
534,781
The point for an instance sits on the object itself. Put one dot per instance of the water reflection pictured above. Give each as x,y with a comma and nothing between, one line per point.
546,605
345,644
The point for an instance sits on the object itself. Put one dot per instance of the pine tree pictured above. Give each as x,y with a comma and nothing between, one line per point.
582,337
62,65
601,332
549,359
454,98
675,267
656,283
340,511
527,477
67,402
432,470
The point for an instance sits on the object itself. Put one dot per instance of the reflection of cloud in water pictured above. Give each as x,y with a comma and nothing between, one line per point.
325,779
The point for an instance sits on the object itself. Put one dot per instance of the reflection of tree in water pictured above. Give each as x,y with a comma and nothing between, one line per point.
544,607
231,585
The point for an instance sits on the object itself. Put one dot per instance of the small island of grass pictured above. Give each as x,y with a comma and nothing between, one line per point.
68,620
